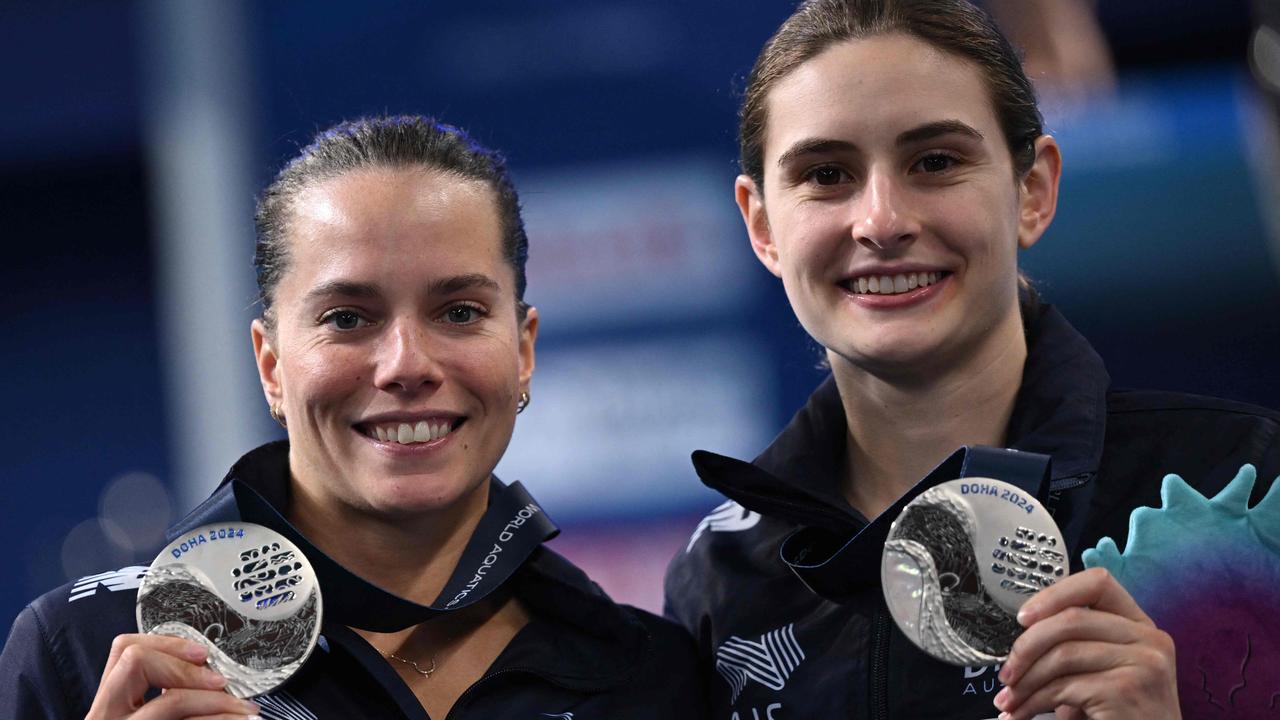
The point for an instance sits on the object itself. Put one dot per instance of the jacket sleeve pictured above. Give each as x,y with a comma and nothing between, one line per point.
31,686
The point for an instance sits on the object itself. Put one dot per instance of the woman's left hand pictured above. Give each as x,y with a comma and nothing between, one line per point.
1088,652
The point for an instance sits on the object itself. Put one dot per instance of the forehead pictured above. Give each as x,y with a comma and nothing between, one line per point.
390,222
871,89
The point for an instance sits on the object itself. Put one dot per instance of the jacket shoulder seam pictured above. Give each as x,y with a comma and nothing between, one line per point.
46,647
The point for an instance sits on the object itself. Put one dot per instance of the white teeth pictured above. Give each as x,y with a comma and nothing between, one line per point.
405,433
891,285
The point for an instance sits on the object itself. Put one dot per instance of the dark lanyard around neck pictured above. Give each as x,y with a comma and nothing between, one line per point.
512,528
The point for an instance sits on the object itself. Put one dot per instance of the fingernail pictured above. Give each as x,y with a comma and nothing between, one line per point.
250,707
214,678
1001,699
195,651
1004,716
1025,616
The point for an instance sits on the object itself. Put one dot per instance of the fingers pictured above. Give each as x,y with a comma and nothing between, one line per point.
188,704
177,647
138,663
1088,650
1094,588
1061,634
1067,694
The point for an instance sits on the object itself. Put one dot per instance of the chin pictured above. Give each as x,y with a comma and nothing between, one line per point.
408,496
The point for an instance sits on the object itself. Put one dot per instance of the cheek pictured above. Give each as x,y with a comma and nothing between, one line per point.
318,376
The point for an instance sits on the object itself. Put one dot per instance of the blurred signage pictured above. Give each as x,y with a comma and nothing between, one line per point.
612,425
635,243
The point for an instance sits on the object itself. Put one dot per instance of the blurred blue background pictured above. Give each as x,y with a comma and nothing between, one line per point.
135,135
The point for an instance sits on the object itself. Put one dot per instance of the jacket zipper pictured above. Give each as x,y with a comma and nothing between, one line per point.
880,666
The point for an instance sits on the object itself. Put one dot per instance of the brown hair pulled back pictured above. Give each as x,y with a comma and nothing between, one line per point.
401,141
953,26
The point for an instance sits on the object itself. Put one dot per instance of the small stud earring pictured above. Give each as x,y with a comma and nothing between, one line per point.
278,415
523,402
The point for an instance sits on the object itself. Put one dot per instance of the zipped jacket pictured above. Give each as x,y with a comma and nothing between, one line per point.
781,587
580,657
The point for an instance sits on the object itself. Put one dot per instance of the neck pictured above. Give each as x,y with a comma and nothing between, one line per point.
412,557
901,427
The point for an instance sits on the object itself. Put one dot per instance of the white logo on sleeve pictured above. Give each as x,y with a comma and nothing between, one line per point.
562,716
769,661
728,517
123,579
282,706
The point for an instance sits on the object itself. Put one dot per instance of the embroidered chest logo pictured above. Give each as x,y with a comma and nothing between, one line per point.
728,517
282,706
769,661
123,579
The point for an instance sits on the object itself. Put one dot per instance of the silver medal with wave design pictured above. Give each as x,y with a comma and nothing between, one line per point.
959,562
243,591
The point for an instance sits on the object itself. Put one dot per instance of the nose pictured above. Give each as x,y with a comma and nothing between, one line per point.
884,220
406,361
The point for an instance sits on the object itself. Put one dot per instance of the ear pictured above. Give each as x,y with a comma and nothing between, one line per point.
1038,192
268,361
528,337
751,204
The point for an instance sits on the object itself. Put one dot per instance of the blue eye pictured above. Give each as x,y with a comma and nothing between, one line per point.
463,314
344,320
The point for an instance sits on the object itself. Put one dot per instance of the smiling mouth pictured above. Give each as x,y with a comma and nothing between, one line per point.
403,433
892,284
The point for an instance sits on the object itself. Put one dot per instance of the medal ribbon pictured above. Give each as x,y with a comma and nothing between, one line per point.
837,570
513,526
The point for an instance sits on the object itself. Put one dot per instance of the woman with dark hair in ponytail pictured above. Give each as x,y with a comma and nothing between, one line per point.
894,162
396,349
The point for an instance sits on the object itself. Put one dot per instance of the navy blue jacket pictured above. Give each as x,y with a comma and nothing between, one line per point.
788,611
580,657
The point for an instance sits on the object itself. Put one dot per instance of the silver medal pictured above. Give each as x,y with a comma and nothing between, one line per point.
959,562
242,590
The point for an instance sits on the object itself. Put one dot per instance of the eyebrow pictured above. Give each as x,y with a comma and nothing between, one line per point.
928,131
932,130
439,286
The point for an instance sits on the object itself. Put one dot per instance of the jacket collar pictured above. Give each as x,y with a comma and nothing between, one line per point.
607,642
1060,411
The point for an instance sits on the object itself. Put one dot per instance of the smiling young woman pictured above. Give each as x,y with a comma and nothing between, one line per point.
893,164
396,349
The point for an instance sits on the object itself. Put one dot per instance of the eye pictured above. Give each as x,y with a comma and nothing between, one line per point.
935,163
343,320
463,314
828,175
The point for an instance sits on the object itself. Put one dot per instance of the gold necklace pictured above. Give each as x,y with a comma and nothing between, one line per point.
416,667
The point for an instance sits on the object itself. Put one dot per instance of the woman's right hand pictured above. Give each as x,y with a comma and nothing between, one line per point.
189,689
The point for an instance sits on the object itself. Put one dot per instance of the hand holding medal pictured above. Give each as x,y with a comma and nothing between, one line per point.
228,611
974,572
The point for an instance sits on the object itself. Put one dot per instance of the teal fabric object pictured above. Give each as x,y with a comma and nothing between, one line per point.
1207,571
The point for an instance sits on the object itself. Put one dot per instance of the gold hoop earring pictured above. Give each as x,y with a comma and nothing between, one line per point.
278,415
523,402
